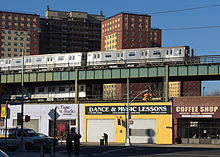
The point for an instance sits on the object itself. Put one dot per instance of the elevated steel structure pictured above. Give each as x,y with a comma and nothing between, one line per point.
197,72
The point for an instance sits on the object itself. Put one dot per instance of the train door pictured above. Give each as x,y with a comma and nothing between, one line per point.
50,62
95,59
28,63
119,58
144,56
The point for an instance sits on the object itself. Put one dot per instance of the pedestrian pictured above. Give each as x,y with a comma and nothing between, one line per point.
77,143
69,144
106,139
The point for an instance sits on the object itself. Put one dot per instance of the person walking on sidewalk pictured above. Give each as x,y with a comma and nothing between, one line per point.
69,144
77,143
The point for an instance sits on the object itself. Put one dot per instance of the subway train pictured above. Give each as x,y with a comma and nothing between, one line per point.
97,59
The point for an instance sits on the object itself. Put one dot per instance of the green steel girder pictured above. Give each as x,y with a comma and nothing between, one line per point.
98,74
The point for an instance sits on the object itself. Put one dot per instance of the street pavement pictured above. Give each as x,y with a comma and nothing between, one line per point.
94,149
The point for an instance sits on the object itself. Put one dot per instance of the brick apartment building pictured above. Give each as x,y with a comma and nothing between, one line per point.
74,31
14,29
125,30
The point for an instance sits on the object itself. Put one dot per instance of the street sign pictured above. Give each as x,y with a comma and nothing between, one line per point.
51,114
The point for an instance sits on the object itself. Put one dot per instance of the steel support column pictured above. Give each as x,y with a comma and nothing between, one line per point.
166,84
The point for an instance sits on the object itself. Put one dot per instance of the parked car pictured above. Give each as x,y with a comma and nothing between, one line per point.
48,138
31,138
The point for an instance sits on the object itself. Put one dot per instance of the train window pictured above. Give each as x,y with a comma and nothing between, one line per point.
94,56
70,57
118,54
73,57
17,61
121,54
145,53
60,58
179,51
61,89
156,53
41,89
6,62
142,54
167,52
39,60
108,56
26,60
98,55
171,52
30,61
131,53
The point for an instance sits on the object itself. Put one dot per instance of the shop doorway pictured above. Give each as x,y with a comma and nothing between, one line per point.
63,127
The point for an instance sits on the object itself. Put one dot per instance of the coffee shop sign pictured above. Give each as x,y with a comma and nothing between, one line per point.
66,110
194,109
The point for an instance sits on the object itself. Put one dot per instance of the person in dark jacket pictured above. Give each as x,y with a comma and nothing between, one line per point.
77,143
69,144
106,139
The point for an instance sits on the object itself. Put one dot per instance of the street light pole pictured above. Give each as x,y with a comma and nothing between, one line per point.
22,92
128,113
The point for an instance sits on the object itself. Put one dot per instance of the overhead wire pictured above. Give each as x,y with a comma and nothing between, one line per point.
188,9
190,28
185,9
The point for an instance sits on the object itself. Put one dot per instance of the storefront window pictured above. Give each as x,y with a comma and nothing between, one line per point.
62,128
202,129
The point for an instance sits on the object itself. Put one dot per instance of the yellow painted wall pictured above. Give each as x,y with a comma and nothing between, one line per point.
164,122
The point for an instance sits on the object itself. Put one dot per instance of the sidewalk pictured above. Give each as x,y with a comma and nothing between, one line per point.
156,145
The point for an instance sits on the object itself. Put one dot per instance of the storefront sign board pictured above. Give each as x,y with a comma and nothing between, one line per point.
117,110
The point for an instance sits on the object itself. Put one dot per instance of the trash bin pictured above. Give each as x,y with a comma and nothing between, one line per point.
101,141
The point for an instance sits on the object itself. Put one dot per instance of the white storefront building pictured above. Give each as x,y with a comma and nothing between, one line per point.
41,122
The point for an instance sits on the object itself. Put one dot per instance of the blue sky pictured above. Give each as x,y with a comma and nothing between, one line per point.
204,41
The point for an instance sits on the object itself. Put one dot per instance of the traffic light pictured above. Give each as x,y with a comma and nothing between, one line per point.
146,97
19,118
150,97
